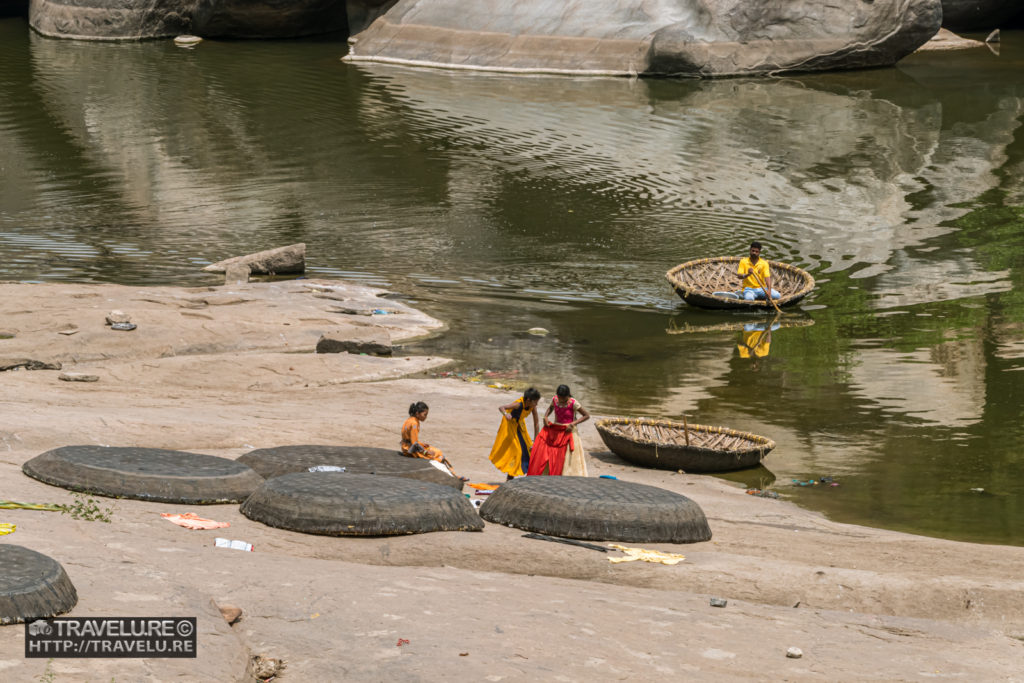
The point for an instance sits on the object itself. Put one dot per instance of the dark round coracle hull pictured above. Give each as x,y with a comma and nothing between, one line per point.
274,462
701,300
32,586
344,504
701,457
152,474
705,282
597,509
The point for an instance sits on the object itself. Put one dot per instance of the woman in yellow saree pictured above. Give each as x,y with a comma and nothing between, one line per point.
511,450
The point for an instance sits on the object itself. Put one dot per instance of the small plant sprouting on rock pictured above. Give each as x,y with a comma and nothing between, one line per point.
48,674
87,508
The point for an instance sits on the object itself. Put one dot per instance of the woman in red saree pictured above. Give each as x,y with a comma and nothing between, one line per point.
559,442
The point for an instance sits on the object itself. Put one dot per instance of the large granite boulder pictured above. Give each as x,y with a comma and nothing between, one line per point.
981,15
135,19
661,37
110,19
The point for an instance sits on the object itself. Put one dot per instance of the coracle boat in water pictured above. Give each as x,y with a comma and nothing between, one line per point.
677,446
712,283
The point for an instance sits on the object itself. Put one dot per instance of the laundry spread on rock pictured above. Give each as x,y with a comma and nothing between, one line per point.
634,554
190,520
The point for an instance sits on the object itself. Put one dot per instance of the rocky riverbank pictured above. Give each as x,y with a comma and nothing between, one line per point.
223,370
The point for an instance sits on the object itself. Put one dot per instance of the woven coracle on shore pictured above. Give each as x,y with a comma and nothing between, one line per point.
667,445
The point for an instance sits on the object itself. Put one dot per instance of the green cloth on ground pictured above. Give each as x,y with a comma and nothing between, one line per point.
7,528
11,505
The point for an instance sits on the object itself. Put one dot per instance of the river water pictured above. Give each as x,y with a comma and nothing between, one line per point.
503,203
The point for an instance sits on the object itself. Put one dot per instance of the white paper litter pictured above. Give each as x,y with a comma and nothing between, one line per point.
441,467
236,545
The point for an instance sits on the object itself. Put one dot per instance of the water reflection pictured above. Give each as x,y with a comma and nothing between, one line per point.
839,176
560,203
755,341
841,173
940,385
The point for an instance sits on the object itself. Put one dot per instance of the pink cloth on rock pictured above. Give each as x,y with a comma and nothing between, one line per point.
191,520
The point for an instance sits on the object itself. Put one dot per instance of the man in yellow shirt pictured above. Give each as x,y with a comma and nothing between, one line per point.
750,269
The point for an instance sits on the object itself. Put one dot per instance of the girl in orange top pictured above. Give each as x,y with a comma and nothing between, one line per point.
411,444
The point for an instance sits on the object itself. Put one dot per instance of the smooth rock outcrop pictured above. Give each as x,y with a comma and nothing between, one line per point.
135,19
947,40
110,19
237,274
279,261
702,38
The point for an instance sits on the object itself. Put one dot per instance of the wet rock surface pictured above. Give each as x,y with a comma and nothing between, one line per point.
286,316
134,19
623,37
696,37
279,261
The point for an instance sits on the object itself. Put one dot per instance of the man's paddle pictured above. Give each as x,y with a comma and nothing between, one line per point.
767,292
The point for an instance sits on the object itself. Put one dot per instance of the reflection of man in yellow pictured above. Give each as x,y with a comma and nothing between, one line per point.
756,340
757,343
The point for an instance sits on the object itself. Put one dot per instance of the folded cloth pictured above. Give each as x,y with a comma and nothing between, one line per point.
7,528
633,554
483,487
11,505
191,520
